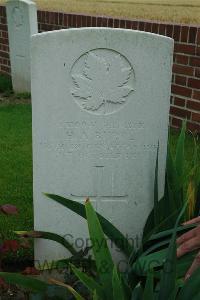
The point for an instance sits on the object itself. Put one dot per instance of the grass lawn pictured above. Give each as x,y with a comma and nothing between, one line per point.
16,166
181,11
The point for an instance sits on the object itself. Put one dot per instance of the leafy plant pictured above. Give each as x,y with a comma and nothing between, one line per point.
109,285
179,185
154,271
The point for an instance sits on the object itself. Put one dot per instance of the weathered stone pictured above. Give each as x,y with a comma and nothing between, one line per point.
101,102
22,23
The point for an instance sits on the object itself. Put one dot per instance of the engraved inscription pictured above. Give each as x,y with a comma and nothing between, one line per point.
103,81
93,140
17,17
109,184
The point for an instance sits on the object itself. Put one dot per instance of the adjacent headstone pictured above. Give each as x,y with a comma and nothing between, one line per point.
101,101
22,23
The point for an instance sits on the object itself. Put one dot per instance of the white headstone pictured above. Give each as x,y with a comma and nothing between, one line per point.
101,101
22,23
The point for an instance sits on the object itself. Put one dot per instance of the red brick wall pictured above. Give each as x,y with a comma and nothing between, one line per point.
185,99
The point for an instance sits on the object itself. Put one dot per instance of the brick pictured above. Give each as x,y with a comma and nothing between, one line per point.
179,101
193,127
180,80
135,25
162,28
51,17
181,91
94,21
196,117
116,23
4,54
194,83
184,48
128,24
3,27
195,105
148,27
169,30
195,61
42,16
110,23
185,70
184,34
176,122
141,26
104,22
56,18
5,62
60,19
78,21
176,34
197,72
181,59
89,21
4,41
84,21
192,35
122,24
3,11
4,34
47,15
65,20
155,28
198,37
47,27
39,27
3,20
39,16
180,112
5,48
5,69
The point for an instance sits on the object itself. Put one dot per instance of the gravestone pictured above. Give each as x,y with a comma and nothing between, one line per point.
101,101
22,23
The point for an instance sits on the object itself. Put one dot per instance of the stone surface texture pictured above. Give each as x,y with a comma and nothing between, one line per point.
101,100
22,23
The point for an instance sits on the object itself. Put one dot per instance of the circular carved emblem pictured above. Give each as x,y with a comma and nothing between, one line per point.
17,16
103,81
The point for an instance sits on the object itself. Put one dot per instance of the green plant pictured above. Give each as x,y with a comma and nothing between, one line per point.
109,283
148,276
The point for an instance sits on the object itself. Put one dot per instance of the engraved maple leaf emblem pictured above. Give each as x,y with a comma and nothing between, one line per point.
102,81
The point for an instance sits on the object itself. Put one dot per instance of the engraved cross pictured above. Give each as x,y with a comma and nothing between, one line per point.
109,185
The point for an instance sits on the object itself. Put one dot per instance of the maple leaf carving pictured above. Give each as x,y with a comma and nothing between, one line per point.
102,81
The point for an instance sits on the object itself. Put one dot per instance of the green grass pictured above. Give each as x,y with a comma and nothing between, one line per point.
16,165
